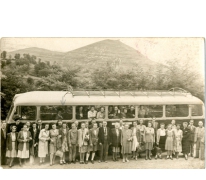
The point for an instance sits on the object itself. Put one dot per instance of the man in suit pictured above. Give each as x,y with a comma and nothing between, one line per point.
104,141
192,136
33,144
3,143
39,125
200,139
131,112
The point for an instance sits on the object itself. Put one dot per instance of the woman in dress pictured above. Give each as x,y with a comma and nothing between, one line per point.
116,141
161,138
11,145
142,128
23,138
64,145
149,140
185,140
135,139
169,145
43,143
93,140
83,138
126,142
178,141
53,133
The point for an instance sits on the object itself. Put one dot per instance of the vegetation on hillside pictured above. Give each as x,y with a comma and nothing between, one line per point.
25,73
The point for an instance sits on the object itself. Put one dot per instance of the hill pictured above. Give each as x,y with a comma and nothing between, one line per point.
43,54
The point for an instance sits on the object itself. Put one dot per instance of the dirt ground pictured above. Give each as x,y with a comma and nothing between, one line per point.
141,163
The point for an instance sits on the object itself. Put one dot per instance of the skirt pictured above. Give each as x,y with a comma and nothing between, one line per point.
92,148
149,145
83,149
185,146
24,154
13,152
135,144
162,143
178,145
169,144
115,149
127,148
65,147
52,149
42,149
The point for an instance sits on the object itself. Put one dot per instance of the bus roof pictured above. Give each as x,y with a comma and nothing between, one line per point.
104,98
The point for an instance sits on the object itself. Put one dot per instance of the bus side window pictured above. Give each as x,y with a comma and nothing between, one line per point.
56,112
121,112
27,112
197,110
180,110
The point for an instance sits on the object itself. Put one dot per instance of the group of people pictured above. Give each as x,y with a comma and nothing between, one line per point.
27,142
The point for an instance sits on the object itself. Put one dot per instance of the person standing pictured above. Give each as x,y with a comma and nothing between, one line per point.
33,144
169,145
104,141
11,145
83,138
3,142
126,142
54,133
200,140
142,128
24,137
93,140
192,129
116,141
39,125
178,141
64,142
185,140
135,139
149,140
43,143
161,139
72,141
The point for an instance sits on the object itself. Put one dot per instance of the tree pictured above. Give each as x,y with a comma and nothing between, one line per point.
17,56
3,55
30,80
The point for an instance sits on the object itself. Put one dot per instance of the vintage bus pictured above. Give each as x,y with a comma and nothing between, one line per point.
129,106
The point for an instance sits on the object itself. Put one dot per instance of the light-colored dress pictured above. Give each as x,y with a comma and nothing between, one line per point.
135,143
169,145
126,141
43,143
24,153
13,152
53,143
64,141
178,141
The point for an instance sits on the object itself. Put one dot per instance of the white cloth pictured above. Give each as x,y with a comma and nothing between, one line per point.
162,132
24,153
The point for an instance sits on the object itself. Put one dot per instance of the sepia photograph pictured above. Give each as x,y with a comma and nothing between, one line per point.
102,103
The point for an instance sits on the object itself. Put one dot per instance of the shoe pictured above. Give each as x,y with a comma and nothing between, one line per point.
100,161
160,157
86,162
150,158
186,157
146,158
167,157
61,163
127,160
155,157
64,162
92,161
171,158
136,158
123,161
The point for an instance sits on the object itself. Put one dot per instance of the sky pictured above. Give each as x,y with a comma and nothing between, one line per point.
156,49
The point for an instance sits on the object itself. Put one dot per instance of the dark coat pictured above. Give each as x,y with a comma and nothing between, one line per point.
93,139
116,140
192,133
63,135
3,148
35,139
101,135
131,114
20,139
18,127
185,141
9,141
